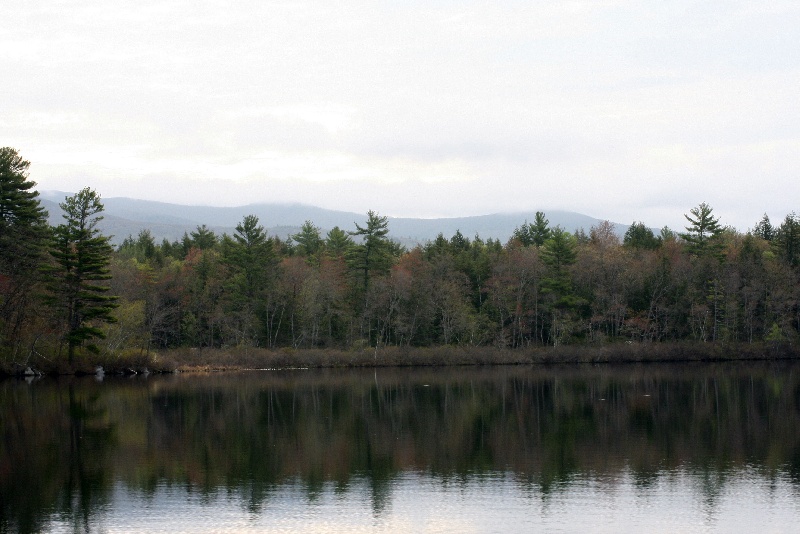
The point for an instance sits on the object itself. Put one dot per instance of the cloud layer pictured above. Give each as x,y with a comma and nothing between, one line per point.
621,110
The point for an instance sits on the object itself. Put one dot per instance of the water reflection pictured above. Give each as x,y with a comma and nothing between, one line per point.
74,451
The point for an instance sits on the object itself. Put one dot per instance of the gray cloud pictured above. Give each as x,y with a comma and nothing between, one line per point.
624,110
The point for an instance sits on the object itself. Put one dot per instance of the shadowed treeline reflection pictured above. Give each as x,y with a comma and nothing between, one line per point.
67,443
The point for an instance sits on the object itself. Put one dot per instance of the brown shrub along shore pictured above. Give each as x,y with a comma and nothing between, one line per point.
240,358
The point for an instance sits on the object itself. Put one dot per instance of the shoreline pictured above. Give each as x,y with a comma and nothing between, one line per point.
187,360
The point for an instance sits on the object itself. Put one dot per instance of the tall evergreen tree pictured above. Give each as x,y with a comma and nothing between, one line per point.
251,261
786,240
143,248
702,230
764,229
558,253
535,233
309,242
666,234
373,254
23,243
459,243
82,256
202,238
639,236
523,234
252,255
337,243
438,247
540,229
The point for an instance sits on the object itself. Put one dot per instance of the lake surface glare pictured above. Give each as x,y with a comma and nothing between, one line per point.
630,448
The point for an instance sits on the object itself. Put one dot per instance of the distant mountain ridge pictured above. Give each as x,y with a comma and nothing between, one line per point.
127,216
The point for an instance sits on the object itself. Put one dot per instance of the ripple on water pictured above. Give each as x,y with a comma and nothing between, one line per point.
678,501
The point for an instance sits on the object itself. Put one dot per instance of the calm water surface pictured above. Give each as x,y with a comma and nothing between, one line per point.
656,448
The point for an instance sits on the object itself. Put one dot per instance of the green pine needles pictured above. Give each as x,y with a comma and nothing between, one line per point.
23,243
82,256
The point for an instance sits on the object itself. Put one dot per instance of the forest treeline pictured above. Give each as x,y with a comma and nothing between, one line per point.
65,290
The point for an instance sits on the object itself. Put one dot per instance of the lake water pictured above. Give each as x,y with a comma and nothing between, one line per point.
635,448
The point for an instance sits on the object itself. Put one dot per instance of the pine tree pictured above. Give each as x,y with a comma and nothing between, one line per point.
373,254
559,253
702,231
786,240
82,256
203,238
23,243
250,258
535,233
540,229
764,229
459,243
639,236
337,243
309,242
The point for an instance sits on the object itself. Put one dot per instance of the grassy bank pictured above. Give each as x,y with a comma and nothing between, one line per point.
240,358
208,359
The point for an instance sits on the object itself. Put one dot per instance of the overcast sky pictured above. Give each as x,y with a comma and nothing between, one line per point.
620,110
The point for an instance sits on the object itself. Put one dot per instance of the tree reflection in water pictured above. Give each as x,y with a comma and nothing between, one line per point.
67,443
57,445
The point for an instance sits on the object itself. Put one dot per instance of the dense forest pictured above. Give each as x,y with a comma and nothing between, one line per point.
65,291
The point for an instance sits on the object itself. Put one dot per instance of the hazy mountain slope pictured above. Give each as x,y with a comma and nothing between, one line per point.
126,216
119,227
497,225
